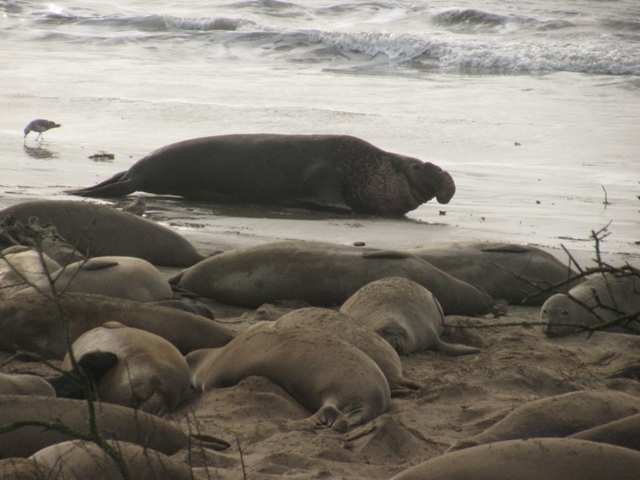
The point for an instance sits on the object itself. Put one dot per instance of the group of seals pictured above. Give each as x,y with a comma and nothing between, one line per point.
603,297
326,171
321,274
21,266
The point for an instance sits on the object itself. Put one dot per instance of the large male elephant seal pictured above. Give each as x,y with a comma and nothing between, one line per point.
113,421
557,416
404,313
81,459
321,274
359,336
129,278
326,171
533,459
150,373
323,373
34,323
20,266
519,274
603,297
101,230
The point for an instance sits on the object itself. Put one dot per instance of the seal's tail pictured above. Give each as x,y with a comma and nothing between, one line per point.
116,186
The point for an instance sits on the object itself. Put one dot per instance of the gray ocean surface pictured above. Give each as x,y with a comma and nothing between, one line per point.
533,107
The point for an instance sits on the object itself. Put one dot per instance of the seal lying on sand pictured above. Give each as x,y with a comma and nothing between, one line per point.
404,313
324,373
101,230
129,278
533,459
21,266
623,433
557,416
150,373
34,324
80,459
25,385
326,171
515,273
321,274
359,336
113,421
601,298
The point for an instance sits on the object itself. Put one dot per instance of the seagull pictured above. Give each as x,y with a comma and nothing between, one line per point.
138,207
39,125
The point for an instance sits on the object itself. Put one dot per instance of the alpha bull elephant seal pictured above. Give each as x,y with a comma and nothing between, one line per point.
324,171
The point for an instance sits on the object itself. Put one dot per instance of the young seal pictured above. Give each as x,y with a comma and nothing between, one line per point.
323,373
150,373
557,416
326,171
601,298
101,230
34,323
405,314
533,459
359,336
129,278
81,459
21,266
321,274
506,271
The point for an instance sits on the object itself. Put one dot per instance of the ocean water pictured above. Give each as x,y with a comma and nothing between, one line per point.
533,107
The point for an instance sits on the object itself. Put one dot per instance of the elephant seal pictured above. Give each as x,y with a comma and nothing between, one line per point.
519,274
35,323
623,433
533,459
321,274
557,416
81,459
150,374
113,421
323,171
129,278
101,230
18,384
405,314
21,266
603,297
323,373
359,336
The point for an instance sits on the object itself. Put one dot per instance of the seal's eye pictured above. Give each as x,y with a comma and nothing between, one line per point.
416,167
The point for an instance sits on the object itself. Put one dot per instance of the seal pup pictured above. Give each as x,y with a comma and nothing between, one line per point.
361,337
34,323
21,266
150,373
516,273
23,384
338,172
405,314
101,230
129,278
533,459
82,459
603,297
39,125
320,274
557,416
325,374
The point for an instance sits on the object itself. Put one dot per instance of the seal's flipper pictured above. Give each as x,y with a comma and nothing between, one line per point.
505,248
98,264
116,186
391,254
330,416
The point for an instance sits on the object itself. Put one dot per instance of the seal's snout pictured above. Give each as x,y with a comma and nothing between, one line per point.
447,188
